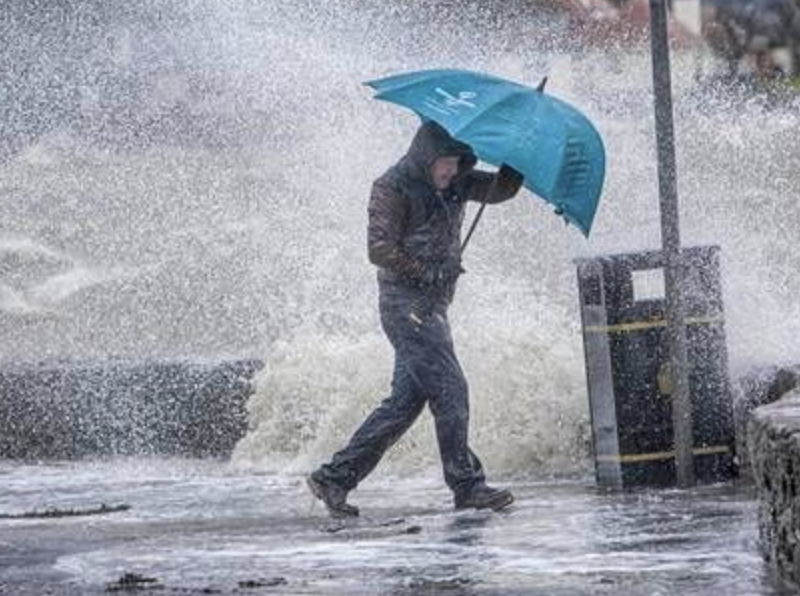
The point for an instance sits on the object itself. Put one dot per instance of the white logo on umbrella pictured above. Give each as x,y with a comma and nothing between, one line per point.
448,103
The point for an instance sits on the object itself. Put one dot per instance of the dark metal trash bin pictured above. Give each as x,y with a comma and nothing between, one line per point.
627,364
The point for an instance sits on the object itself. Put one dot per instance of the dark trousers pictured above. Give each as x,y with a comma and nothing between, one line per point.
426,371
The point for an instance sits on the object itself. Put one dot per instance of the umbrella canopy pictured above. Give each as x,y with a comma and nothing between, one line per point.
549,142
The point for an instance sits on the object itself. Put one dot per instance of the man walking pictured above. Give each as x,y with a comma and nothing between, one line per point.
416,212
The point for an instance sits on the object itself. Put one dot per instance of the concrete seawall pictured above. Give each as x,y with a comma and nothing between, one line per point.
68,410
774,449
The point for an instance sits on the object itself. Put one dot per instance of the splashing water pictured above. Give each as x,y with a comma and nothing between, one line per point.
201,191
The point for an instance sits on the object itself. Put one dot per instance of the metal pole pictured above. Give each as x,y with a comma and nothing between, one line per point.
671,243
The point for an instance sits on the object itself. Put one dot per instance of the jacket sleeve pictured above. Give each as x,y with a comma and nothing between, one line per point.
483,187
387,212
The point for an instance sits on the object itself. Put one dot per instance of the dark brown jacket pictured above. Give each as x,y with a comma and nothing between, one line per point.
411,227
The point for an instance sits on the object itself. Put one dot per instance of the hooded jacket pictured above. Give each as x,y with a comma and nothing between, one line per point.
412,227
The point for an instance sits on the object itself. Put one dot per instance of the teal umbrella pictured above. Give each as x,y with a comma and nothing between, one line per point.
553,145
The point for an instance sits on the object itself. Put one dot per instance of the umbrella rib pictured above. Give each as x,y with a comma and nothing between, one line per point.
484,110
487,108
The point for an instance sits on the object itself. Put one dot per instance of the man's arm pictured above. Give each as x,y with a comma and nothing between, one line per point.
483,187
387,219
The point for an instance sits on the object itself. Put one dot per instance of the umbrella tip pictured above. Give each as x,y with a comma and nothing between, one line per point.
541,85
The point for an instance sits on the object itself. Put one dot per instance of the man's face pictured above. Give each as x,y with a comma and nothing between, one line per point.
443,170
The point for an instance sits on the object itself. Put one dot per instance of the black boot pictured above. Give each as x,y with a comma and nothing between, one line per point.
484,497
334,497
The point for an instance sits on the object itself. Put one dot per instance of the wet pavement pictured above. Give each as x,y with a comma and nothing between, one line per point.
198,527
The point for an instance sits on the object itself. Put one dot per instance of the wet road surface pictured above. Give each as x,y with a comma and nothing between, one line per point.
204,527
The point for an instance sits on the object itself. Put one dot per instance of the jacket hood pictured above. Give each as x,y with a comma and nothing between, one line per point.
431,142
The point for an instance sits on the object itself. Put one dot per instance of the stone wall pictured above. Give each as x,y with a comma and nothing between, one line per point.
67,410
774,446
757,388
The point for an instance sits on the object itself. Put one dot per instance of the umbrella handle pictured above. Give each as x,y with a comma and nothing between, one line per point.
478,215
472,227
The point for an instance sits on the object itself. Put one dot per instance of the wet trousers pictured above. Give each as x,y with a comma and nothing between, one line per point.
426,371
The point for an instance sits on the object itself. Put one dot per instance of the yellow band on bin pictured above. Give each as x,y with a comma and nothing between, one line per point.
659,456
643,325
